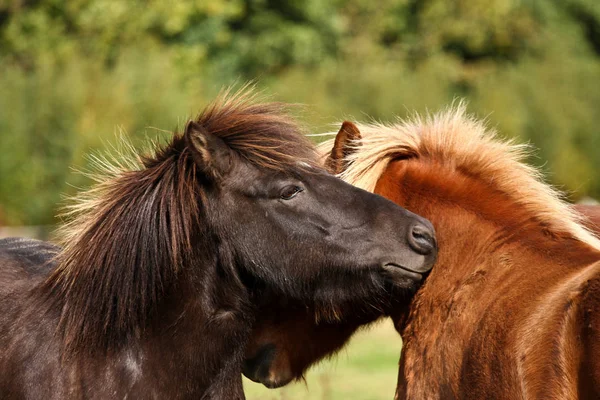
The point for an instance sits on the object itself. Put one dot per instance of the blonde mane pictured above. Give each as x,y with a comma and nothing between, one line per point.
460,142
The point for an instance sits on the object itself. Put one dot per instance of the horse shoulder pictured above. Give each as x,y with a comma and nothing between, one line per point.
557,346
23,325
589,325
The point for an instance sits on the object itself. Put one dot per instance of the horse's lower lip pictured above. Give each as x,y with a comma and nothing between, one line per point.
396,270
275,384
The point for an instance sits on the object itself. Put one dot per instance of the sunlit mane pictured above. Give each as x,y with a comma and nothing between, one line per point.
130,234
461,142
263,133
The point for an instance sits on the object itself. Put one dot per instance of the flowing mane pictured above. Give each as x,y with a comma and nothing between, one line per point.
458,141
130,235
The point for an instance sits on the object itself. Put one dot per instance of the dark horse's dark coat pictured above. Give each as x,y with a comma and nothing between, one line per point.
153,293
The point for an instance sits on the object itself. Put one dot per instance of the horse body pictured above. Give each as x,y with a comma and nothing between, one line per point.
154,293
510,310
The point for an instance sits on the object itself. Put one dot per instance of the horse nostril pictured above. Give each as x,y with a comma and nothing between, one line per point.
421,239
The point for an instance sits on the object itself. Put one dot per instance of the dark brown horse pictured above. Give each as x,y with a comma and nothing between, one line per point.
511,309
154,293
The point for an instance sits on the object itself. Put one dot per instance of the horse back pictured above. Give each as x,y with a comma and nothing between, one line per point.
24,263
25,259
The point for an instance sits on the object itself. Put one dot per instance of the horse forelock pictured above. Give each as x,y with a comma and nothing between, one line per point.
263,133
454,140
130,235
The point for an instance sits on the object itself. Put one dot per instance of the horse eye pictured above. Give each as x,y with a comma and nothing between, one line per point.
290,192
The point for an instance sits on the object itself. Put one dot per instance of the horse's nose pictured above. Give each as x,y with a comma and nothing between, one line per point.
421,238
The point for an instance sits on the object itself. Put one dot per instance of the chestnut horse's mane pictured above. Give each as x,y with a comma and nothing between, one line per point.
460,142
127,237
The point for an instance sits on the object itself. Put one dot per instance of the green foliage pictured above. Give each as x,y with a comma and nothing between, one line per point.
75,72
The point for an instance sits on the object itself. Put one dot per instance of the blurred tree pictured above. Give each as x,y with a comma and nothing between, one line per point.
73,71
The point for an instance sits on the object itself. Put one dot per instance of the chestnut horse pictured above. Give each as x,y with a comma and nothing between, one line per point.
512,307
154,293
592,216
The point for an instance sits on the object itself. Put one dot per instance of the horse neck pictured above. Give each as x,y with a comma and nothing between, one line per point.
485,239
141,261
189,319
200,333
500,279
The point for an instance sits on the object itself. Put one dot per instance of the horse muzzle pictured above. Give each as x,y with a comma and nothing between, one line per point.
264,367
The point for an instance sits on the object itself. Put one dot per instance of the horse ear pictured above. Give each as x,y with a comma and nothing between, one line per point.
209,151
345,144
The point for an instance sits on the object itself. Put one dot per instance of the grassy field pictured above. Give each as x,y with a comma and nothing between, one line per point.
366,370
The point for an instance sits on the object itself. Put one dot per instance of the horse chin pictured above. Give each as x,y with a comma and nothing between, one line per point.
402,276
276,383
259,369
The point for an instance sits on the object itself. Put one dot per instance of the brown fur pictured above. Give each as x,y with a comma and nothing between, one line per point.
514,285
492,319
592,216
510,309
338,162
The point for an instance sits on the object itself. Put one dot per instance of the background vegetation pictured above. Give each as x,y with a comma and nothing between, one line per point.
73,72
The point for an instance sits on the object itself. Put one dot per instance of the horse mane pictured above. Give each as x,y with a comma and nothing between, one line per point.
463,143
128,237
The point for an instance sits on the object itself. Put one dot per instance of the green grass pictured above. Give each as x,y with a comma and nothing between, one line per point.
365,370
